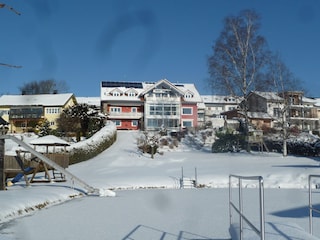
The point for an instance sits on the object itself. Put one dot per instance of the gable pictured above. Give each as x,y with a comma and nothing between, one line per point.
162,86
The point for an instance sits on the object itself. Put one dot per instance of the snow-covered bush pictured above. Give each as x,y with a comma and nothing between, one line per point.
228,142
303,144
91,147
148,142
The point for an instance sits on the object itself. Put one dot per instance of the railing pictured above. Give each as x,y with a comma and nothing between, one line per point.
311,208
239,208
127,115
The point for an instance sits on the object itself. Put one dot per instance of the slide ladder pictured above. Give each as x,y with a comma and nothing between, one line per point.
90,189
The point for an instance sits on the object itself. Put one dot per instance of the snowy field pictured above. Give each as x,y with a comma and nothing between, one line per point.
148,202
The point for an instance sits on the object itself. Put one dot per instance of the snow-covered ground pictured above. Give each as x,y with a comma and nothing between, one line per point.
149,203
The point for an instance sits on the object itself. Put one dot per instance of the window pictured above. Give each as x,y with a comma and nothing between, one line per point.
187,111
134,123
276,112
115,109
116,94
31,112
131,94
53,110
117,122
4,112
134,109
186,123
159,123
188,95
163,110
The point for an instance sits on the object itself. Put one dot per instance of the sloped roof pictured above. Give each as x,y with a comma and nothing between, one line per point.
91,101
164,82
35,100
224,99
190,88
259,115
49,140
269,95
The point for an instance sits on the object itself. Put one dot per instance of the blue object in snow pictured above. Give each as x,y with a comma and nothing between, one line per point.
20,175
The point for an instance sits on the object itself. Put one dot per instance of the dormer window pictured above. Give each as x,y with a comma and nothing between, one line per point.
188,95
116,94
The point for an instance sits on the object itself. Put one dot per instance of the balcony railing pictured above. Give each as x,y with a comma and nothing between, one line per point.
125,115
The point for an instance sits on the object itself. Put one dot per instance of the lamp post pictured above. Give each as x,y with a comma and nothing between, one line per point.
3,131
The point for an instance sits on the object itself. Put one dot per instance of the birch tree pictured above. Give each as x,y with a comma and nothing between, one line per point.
282,79
239,56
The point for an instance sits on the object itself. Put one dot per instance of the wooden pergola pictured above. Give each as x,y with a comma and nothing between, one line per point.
60,158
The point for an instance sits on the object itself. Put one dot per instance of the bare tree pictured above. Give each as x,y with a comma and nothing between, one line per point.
282,79
43,87
239,56
2,5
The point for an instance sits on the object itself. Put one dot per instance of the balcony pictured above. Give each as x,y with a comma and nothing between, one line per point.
124,115
26,113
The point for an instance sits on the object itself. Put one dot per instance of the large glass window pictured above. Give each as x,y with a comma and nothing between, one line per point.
159,123
32,112
163,109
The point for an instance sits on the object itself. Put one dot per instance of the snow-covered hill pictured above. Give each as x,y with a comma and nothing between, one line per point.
163,213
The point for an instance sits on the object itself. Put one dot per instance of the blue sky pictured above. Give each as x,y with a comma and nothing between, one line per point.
86,42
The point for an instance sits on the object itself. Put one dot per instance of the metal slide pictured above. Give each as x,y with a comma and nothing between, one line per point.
90,189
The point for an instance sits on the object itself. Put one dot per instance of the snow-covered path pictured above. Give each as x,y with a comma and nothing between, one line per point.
156,213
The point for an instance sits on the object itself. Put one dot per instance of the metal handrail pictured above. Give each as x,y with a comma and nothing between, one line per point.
90,189
311,208
239,209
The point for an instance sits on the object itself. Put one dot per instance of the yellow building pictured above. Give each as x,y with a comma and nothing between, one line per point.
25,112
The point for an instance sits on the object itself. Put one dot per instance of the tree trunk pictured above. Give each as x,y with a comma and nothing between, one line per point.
2,175
284,122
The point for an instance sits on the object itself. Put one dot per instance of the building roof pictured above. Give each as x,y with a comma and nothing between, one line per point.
49,140
142,88
162,82
269,95
35,100
112,84
91,101
223,99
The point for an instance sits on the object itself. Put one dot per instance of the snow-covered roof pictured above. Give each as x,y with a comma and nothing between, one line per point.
261,115
49,140
162,82
191,89
181,88
314,101
220,99
91,101
35,100
269,95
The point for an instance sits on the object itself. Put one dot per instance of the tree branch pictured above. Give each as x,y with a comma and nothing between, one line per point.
2,5
9,65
